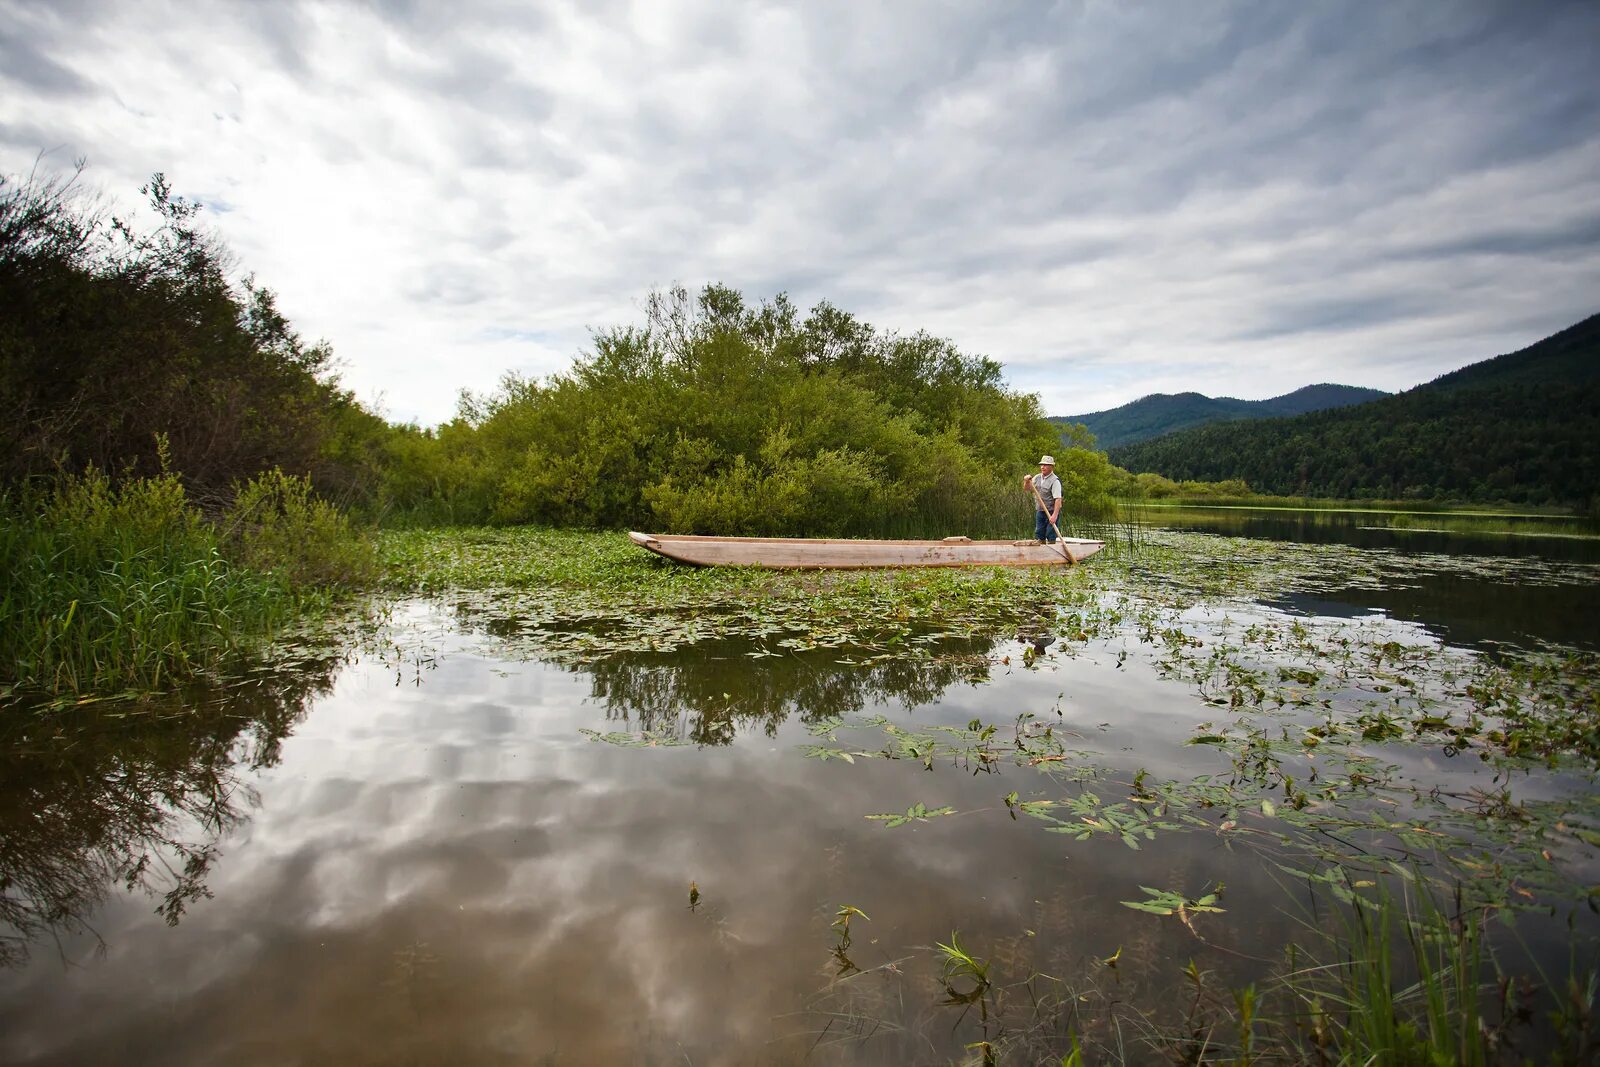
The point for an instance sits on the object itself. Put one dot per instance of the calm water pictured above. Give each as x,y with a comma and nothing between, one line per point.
1553,537
423,858
1457,602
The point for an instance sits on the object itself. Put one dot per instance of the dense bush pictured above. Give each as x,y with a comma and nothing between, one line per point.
277,526
722,417
1147,486
110,335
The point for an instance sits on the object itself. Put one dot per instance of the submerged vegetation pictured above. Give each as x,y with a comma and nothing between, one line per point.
1317,726
1313,754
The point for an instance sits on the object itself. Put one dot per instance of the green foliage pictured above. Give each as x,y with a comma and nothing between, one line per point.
114,335
1087,478
1521,428
1167,902
722,417
1362,1008
118,585
918,812
958,964
1147,486
277,526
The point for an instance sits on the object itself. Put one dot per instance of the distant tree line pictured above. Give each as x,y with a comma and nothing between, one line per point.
1163,413
714,415
1523,428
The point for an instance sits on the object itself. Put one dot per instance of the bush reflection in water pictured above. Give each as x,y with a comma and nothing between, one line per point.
139,794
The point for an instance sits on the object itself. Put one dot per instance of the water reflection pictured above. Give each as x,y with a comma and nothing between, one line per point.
1465,587
1550,537
1466,611
132,795
436,865
444,870
547,899
705,695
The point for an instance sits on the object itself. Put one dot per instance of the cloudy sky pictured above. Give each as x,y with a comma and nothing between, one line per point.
1112,199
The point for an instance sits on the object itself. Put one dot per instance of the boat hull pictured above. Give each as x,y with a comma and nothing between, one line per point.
844,554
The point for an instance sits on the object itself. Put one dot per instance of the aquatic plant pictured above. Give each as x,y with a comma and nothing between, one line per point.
918,812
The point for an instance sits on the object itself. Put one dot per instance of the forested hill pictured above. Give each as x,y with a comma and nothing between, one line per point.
1520,428
1161,413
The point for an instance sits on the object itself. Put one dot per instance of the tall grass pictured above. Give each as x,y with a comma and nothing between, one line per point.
277,526
1392,979
118,586
1422,1006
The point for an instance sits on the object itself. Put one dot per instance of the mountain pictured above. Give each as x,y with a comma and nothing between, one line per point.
1161,413
1519,428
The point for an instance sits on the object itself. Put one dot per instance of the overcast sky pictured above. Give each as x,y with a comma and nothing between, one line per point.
1112,199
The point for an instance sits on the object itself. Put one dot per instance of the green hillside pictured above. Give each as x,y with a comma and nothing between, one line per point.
1520,428
1162,413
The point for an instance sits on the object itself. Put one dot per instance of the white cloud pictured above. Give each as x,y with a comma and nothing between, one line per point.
1111,200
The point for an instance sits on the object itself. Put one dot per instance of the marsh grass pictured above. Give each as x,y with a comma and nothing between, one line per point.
1392,978
276,525
126,586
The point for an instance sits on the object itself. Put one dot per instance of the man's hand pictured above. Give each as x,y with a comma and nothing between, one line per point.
1027,481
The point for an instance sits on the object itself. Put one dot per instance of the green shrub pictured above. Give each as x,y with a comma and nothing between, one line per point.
276,526
1086,480
125,585
732,418
117,586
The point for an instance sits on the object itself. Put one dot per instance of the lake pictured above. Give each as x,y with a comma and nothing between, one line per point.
509,827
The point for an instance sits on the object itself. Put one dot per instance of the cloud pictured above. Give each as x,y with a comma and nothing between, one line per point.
1110,199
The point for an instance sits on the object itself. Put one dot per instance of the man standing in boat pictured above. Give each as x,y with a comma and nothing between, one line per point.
1046,489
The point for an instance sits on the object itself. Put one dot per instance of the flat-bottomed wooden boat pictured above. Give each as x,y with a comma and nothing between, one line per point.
847,554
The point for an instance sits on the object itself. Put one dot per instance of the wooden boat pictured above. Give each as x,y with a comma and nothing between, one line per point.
841,553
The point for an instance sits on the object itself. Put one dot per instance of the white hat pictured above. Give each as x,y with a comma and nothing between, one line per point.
1047,459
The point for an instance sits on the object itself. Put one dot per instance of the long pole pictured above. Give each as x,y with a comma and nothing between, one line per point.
1052,522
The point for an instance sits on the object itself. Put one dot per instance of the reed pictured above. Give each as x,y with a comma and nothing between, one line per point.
1420,1006
127,587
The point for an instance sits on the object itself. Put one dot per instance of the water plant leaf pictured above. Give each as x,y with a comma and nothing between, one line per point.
918,812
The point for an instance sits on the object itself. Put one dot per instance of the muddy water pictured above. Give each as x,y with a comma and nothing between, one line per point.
423,858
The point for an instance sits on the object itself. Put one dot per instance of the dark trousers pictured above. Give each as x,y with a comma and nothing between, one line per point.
1041,528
